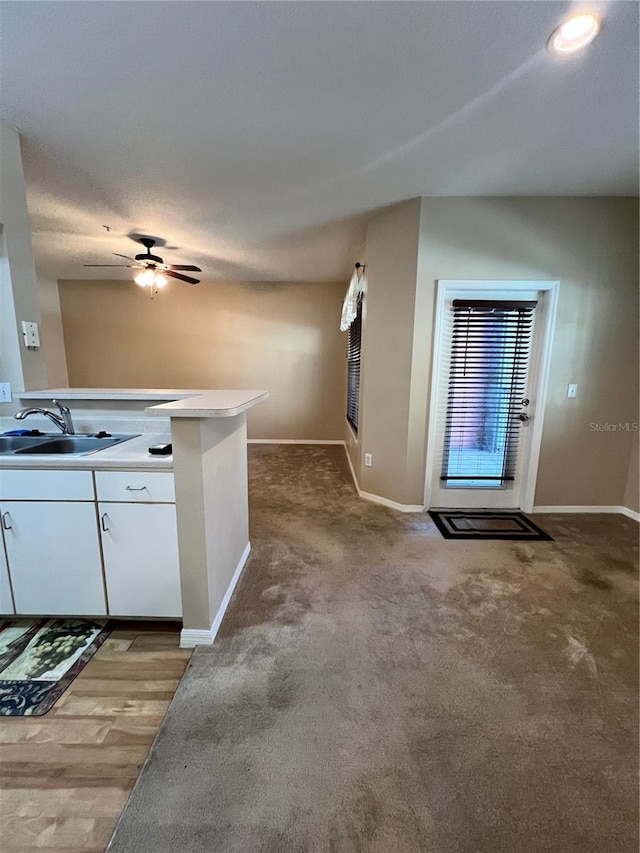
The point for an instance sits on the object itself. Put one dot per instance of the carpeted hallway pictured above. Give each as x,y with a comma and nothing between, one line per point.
376,688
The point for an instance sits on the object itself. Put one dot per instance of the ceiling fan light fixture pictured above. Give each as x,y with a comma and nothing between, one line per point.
574,34
154,273
145,278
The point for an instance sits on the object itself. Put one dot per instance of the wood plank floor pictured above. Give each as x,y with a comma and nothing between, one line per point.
65,777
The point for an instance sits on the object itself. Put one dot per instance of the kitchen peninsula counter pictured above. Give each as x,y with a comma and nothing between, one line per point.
178,401
209,463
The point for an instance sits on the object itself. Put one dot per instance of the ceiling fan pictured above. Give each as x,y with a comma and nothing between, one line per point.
153,270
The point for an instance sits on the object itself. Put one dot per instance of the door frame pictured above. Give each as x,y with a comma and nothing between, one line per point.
546,318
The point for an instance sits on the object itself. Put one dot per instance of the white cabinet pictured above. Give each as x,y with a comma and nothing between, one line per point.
6,601
56,549
140,548
139,542
53,552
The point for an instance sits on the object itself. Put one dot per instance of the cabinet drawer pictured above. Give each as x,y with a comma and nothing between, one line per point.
135,486
40,485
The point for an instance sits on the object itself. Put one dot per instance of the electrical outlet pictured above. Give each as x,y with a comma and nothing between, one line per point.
5,392
368,460
30,334
572,390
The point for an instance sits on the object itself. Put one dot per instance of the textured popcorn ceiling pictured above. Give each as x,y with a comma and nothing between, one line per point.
255,137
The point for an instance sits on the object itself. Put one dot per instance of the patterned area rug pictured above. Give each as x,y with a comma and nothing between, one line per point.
40,658
487,524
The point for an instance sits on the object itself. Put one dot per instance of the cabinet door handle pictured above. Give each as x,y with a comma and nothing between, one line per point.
5,520
135,488
103,523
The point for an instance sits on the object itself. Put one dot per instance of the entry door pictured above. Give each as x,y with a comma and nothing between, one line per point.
489,364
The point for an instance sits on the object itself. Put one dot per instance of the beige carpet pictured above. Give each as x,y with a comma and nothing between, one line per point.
376,688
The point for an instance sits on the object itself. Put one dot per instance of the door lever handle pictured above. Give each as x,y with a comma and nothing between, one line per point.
524,417
5,521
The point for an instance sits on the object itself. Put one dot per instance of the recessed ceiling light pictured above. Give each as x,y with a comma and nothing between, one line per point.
574,34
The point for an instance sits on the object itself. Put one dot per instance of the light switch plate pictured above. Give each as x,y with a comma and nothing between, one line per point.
5,392
30,334
572,390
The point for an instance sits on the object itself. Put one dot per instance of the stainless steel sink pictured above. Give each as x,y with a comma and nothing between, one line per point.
54,445
11,443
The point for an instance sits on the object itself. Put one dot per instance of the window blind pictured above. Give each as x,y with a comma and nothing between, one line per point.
490,348
353,369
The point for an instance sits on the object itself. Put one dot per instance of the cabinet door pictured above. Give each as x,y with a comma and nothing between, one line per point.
6,602
53,550
140,548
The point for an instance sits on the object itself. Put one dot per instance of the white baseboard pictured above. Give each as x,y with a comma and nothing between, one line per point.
376,499
622,510
190,637
630,513
292,441
353,473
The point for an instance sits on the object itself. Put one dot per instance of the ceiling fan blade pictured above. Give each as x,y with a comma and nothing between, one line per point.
186,267
186,278
123,266
118,255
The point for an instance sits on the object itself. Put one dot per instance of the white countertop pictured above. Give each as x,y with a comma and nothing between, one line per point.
129,455
133,454
109,394
183,402
209,404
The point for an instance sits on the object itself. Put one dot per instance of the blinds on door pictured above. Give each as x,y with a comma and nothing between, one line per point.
490,348
353,369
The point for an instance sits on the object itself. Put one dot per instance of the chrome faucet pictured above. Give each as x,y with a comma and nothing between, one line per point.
62,421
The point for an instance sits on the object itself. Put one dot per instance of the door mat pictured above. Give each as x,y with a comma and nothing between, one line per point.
40,658
487,524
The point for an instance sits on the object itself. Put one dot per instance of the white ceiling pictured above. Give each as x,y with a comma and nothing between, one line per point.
254,136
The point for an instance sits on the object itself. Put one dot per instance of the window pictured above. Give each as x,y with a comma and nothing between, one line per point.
491,342
353,369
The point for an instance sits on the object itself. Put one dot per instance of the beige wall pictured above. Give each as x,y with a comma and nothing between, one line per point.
51,335
387,346
283,337
591,246
24,369
210,474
